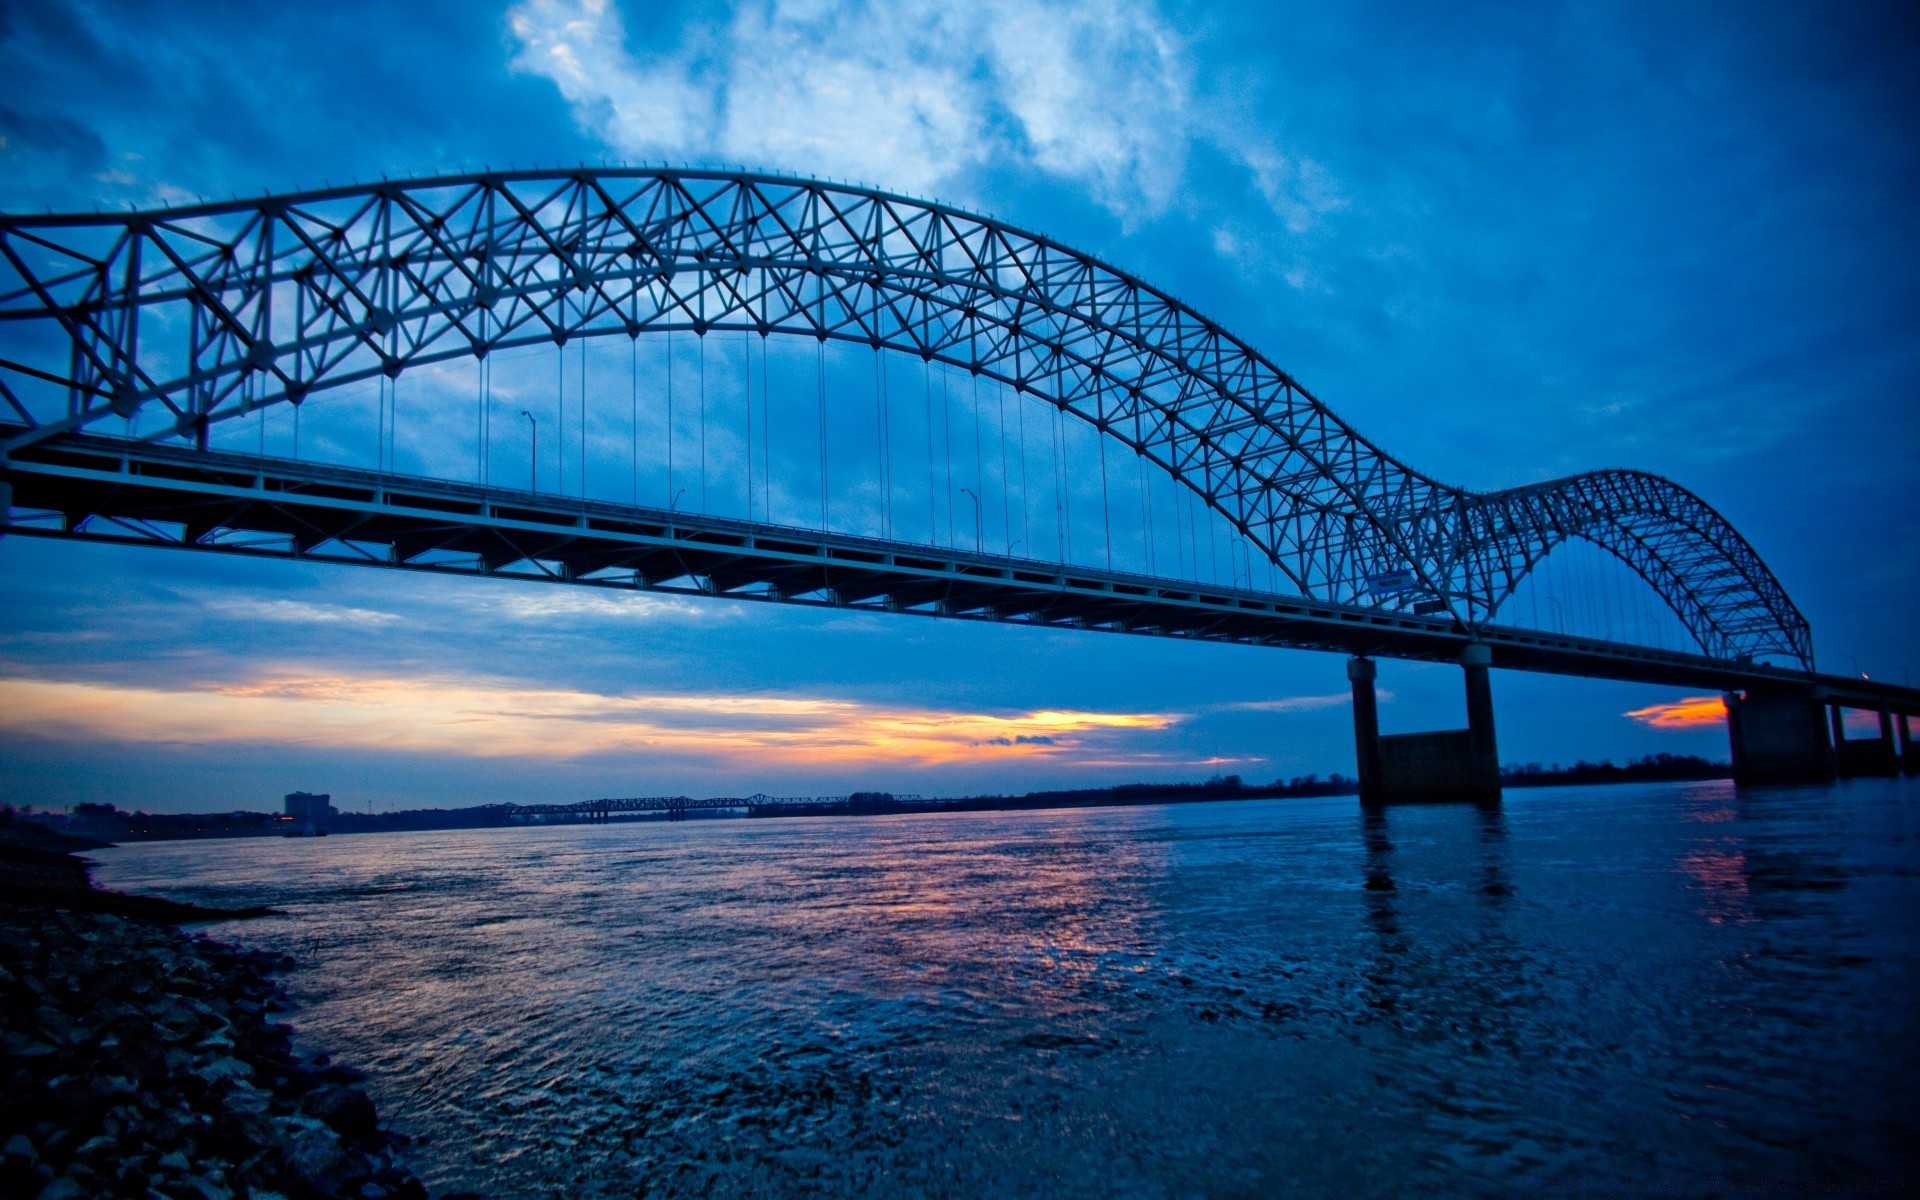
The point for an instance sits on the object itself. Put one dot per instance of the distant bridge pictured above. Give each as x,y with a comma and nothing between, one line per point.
758,804
138,350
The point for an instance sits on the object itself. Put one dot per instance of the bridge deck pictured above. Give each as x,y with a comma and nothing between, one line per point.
112,490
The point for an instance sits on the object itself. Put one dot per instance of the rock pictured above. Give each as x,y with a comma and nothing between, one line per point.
208,1189
95,1145
24,1046
346,1109
223,1070
314,1154
135,1061
243,1097
17,1162
64,1188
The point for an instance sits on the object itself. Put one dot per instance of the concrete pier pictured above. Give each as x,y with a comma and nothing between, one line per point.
1366,728
1906,746
1477,662
1779,736
1445,765
1868,755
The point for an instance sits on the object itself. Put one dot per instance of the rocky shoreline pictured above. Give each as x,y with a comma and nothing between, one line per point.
137,1060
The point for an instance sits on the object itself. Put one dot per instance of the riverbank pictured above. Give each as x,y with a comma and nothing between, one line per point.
108,822
139,1060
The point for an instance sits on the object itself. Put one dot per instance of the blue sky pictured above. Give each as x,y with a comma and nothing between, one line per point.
1508,242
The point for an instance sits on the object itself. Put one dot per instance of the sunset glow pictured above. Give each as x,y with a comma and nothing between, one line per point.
1693,712
486,718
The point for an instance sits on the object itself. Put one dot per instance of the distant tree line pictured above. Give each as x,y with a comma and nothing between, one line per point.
1648,768
109,823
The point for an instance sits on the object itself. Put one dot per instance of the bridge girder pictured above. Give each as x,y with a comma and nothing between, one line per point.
212,312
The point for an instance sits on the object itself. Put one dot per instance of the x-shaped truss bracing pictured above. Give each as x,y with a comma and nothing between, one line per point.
214,311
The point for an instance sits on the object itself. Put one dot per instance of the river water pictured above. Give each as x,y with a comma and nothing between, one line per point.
1672,989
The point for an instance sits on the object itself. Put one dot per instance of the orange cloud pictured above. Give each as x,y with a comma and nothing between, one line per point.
486,718
1693,712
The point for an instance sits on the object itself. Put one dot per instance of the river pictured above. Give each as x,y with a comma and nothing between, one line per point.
1670,989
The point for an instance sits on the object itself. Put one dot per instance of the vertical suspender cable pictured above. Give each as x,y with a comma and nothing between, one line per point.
1066,480
1533,593
980,464
1106,509
671,494
1146,511
946,436
746,390
560,421
879,441
1194,507
1179,542
766,436
583,416
933,507
299,322
633,387
1006,477
1026,515
820,393
1213,547
882,399
701,335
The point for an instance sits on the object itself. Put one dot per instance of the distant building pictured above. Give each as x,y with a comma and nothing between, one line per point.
310,808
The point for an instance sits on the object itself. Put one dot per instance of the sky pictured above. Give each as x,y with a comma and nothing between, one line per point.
1508,242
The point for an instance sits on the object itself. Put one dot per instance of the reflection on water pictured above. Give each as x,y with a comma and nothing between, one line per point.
1673,990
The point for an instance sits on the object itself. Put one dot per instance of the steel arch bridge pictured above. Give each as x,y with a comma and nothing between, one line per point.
211,312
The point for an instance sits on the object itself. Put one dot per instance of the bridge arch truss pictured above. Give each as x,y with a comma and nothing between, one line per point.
213,312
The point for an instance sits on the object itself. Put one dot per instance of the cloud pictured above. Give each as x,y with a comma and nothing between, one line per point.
912,94
487,718
548,603
1289,704
299,612
1692,712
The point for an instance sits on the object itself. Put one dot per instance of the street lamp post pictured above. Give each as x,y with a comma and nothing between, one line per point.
533,457
976,518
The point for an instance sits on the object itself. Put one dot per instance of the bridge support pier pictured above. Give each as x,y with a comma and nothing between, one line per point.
1366,728
1868,755
1447,765
1779,737
1907,764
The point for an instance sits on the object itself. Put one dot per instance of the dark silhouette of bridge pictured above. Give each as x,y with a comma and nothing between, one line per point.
138,350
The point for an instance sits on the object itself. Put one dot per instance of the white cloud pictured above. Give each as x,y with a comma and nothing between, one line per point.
579,44
545,603
299,612
1290,704
911,94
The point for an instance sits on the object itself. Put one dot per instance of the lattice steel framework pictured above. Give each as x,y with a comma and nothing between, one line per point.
214,311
